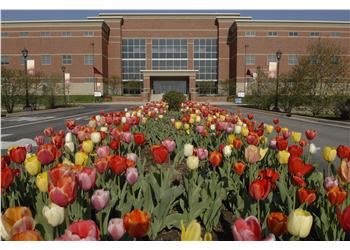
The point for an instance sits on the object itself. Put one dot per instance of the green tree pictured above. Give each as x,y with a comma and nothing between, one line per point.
12,88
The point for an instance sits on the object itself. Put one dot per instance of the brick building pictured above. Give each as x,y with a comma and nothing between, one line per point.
202,55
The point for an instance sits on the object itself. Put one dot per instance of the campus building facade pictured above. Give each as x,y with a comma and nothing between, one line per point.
201,55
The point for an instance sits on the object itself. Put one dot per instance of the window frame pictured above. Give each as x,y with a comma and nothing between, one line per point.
63,60
41,59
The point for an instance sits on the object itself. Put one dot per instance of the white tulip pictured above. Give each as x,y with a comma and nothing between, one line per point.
3,232
70,146
95,137
68,137
123,119
98,118
127,115
192,162
54,214
126,109
212,127
104,129
227,151
188,149
238,129
313,149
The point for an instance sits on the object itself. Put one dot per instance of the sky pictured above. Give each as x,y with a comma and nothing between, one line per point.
326,15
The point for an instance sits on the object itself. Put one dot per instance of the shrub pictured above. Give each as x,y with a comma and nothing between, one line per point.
174,99
342,109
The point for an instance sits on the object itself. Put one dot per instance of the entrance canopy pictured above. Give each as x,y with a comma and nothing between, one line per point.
189,73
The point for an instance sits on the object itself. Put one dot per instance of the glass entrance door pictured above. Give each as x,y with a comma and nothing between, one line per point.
164,85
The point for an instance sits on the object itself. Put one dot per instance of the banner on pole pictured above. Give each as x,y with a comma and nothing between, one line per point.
67,77
30,67
272,69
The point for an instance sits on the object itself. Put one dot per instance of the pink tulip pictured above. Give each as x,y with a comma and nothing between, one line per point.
102,151
200,129
116,228
100,199
132,175
126,137
248,229
202,153
39,140
87,178
132,156
169,144
330,182
101,165
48,131
81,135
286,134
29,147
229,129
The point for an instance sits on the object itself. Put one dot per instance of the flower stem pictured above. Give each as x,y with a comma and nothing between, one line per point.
259,211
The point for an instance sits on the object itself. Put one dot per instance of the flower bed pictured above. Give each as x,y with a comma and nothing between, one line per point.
201,173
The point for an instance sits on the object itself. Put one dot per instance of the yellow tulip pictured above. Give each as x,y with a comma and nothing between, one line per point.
192,232
67,162
230,139
329,153
192,162
191,121
263,140
198,118
283,156
262,152
299,223
208,236
32,165
245,131
178,124
284,129
88,146
42,181
210,118
81,158
296,136
186,126
268,129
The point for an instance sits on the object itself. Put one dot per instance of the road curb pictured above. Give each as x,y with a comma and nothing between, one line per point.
46,111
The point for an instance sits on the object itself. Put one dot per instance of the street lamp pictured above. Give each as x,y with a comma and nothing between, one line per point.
245,67
278,56
25,55
64,85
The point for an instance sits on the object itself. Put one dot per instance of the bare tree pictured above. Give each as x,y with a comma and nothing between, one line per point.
51,87
113,85
12,82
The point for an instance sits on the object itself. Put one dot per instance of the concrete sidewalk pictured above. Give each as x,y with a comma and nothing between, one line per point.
34,112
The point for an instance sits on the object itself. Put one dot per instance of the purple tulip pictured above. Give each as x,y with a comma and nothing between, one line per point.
132,156
273,144
87,178
102,151
29,147
126,137
330,182
132,175
116,228
169,144
200,129
100,199
39,140
202,153
229,129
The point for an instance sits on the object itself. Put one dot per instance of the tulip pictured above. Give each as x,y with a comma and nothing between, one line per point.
32,165
169,144
102,151
202,153
132,156
200,129
42,181
139,138
132,176
344,219
17,154
227,151
259,189
296,136
330,182
344,171
137,223
96,137
188,149
70,124
87,178
310,134
251,154
57,140
239,168
53,214
244,131
262,153
299,223
283,156
118,164
237,143
277,223
248,229
87,146
29,235
343,152
100,199
29,147
70,146
126,137
215,158
81,158
268,129
238,129
295,150
39,140
336,195
192,232
81,230
297,167
47,153
116,228
313,149
101,165
192,162
7,175
159,153
178,125
273,144
230,139
306,195
329,154
282,144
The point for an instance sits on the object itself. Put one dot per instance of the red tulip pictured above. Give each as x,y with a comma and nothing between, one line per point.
277,223
278,129
248,229
101,164
139,138
282,144
18,154
343,151
239,168
48,131
62,186
276,121
310,134
295,150
297,167
47,153
57,140
259,189
215,158
344,219
159,153
114,144
81,230
336,195
302,143
299,181
7,175
252,139
117,163
306,195
250,116
237,143
70,124
269,174
137,223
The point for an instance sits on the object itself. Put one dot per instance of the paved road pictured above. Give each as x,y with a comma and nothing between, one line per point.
328,134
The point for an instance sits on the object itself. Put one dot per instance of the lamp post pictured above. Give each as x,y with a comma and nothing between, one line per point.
258,79
278,56
245,67
25,55
63,68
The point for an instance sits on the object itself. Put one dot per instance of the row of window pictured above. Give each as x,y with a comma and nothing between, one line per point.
48,34
47,59
290,34
250,59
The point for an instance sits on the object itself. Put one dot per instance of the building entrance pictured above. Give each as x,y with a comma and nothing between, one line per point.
162,85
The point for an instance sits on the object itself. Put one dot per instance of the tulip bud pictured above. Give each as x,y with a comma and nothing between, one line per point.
87,146
268,129
330,182
102,151
227,151
39,140
116,228
188,149
100,199
32,165
96,137
80,158
178,125
238,129
53,214
132,176
132,156
296,136
87,178
299,223
104,129
192,162
169,144
202,153
329,154
29,147
283,156
313,149
70,146
68,137
42,181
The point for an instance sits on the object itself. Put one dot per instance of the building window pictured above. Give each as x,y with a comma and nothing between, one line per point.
45,60
314,34
293,33
88,60
4,34
133,59
5,60
250,60
335,59
271,58
23,34
45,34
292,59
335,34
169,54
205,59
88,33
66,33
89,80
250,33
66,59
272,33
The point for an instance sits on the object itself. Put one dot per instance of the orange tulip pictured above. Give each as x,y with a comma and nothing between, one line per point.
137,223
29,235
306,195
336,195
215,158
277,223
239,168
